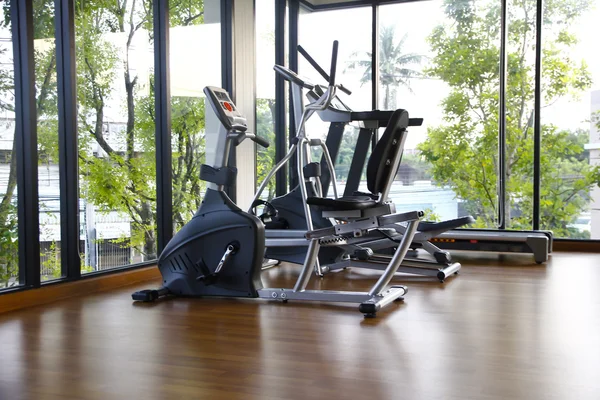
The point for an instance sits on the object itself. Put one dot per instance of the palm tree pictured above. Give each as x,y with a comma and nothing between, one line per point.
394,65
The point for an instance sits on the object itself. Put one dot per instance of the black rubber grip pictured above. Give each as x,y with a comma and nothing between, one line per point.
344,89
261,141
334,54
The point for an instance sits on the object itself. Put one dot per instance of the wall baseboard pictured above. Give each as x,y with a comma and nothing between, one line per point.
59,291
576,246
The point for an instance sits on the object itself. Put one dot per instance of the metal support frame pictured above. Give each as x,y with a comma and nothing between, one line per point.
67,138
375,58
280,104
26,143
537,128
162,103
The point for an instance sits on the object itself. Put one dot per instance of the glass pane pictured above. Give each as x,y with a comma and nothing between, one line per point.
47,130
317,31
570,197
9,263
115,63
265,92
444,69
520,85
195,61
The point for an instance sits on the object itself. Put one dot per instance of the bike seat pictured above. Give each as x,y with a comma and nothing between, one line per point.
343,203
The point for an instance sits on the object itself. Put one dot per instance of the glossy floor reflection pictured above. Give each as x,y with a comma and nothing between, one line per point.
520,331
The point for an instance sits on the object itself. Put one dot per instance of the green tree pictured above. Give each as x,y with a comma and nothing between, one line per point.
396,67
120,177
463,151
265,157
123,179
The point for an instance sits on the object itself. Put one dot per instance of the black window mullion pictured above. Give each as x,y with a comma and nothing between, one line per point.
375,57
227,46
502,116
537,126
227,75
280,119
26,143
294,11
67,138
162,103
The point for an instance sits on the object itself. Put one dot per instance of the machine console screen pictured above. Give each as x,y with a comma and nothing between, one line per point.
224,107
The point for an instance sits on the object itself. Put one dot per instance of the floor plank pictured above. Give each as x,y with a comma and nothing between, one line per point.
500,330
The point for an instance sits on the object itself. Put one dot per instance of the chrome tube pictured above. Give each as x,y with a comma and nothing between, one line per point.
309,261
302,182
397,259
273,171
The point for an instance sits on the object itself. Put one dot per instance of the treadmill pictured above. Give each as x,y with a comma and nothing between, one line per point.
441,235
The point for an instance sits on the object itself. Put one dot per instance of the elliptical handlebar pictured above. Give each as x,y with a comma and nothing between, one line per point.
334,54
321,71
257,139
238,134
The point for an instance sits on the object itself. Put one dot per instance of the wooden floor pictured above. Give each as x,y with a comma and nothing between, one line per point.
520,331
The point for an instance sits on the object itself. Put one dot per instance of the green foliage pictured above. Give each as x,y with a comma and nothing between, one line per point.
9,248
265,158
186,12
431,216
463,151
122,178
187,134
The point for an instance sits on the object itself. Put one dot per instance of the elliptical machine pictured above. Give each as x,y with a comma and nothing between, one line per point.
219,252
289,216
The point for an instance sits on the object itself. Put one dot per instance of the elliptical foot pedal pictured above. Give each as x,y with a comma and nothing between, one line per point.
208,280
442,257
363,254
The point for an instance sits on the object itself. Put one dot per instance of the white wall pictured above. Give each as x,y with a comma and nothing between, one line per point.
245,89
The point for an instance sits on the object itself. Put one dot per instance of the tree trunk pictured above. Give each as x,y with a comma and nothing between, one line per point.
386,102
129,87
5,205
147,218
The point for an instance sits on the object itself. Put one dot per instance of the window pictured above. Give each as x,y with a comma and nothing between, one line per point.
195,62
9,262
47,130
444,69
114,51
265,92
570,197
317,31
